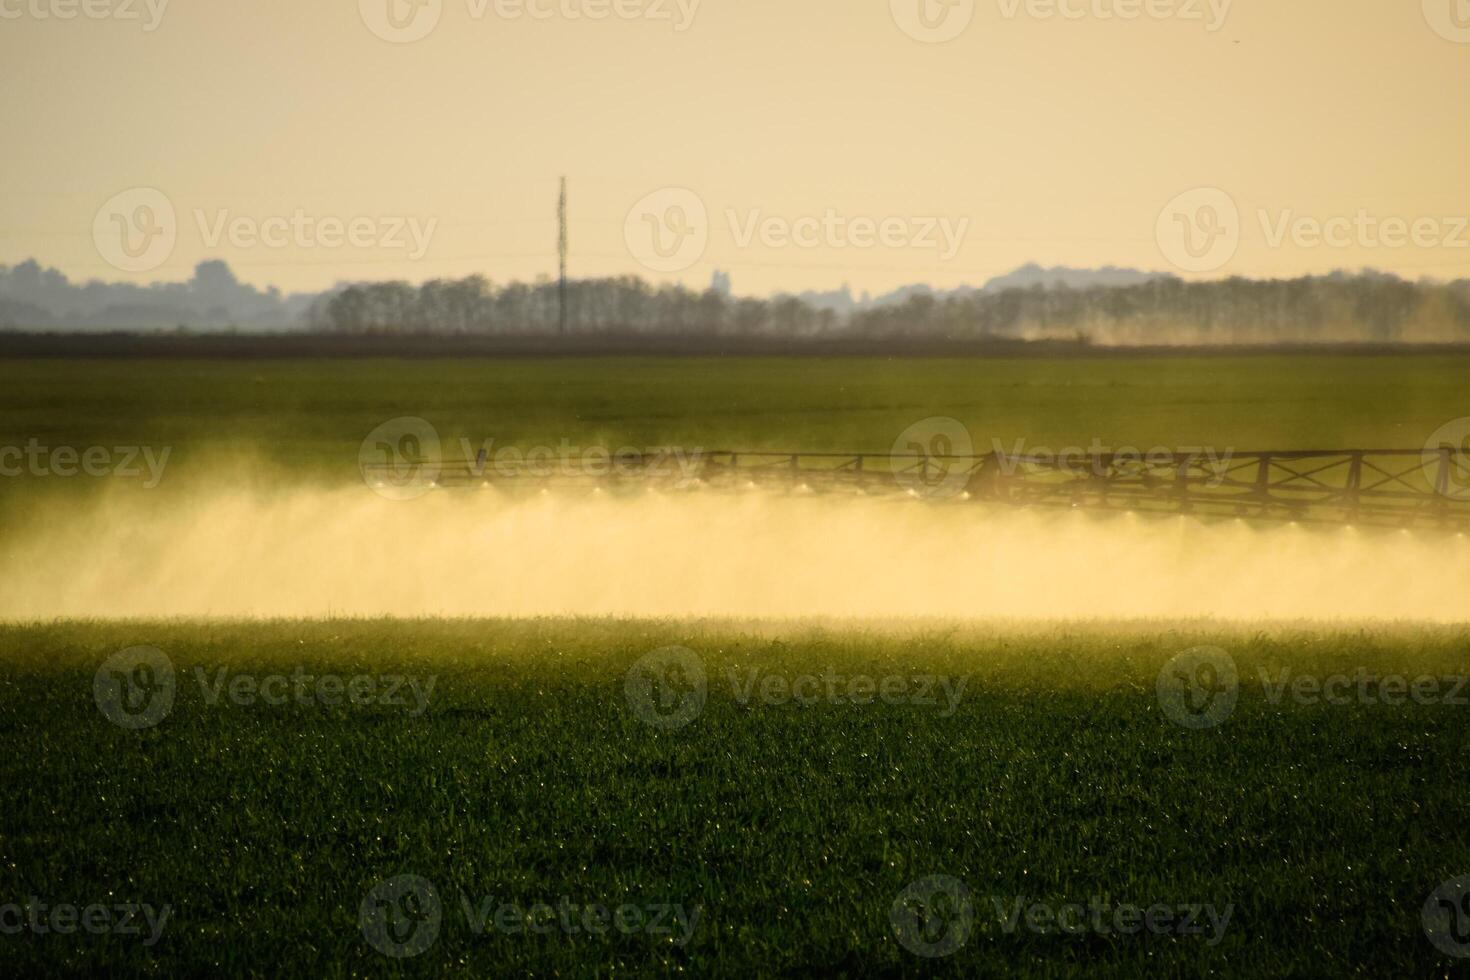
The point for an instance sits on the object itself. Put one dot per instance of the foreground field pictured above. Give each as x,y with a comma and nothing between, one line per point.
768,825
572,797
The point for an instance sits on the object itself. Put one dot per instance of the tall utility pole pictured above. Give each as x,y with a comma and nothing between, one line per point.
561,220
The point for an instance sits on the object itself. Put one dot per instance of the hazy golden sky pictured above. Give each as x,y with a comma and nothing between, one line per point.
1057,132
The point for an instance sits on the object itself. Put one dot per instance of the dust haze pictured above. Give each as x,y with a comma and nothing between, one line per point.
236,549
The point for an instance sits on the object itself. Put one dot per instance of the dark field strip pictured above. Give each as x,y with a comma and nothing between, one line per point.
533,775
308,418
172,344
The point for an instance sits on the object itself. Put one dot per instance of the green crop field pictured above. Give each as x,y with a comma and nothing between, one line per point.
311,415
601,797
785,829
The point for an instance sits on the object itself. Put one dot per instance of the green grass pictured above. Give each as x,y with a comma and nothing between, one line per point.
311,416
793,828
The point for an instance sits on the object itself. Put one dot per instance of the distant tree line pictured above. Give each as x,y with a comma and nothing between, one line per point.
1368,307
623,304
33,297
1371,307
